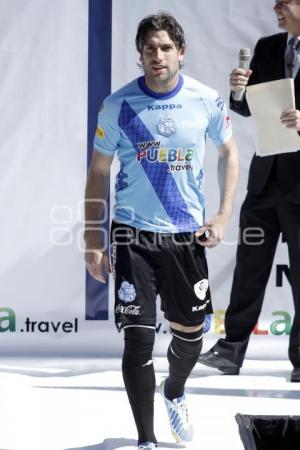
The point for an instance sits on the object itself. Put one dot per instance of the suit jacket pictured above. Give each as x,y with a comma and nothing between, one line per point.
268,65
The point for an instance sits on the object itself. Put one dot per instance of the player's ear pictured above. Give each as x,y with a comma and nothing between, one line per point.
181,53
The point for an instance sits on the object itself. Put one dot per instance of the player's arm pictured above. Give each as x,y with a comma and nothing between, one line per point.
228,174
96,191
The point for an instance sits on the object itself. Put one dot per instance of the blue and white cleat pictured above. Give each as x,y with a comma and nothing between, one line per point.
181,427
147,446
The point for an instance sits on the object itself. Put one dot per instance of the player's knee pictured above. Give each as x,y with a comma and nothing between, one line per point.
186,345
178,327
139,342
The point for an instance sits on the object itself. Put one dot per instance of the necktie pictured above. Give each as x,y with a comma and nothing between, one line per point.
291,55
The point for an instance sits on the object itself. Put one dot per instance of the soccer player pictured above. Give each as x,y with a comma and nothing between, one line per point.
158,124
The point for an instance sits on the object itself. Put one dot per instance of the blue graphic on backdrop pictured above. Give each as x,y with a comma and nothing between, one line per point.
99,84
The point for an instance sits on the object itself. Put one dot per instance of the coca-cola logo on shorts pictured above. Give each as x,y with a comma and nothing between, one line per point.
130,310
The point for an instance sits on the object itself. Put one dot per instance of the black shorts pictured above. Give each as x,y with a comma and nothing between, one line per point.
145,264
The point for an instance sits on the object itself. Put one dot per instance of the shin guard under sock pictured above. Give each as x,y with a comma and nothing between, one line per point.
139,378
183,353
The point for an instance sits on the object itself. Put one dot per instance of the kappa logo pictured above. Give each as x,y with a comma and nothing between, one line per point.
200,307
164,107
200,288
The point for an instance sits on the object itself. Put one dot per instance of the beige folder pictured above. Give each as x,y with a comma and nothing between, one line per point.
266,102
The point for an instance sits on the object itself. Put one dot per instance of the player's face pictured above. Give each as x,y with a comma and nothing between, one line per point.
288,15
161,59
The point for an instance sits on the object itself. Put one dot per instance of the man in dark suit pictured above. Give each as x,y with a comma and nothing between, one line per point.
272,203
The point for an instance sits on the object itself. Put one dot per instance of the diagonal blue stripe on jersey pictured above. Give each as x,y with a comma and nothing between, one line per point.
161,180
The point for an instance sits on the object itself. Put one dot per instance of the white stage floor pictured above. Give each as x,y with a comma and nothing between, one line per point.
77,404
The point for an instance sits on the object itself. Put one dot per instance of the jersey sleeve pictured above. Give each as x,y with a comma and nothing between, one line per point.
107,134
219,128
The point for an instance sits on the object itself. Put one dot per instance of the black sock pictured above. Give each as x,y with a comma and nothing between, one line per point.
183,353
139,379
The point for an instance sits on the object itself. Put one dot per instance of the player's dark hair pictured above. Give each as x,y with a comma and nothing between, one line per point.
158,22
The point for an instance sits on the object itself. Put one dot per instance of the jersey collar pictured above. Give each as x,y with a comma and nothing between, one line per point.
160,95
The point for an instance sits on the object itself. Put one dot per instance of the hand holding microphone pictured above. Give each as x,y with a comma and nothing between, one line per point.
239,77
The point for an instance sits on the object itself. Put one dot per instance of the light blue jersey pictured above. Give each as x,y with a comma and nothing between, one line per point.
160,142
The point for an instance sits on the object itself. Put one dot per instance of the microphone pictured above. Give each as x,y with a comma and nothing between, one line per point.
244,62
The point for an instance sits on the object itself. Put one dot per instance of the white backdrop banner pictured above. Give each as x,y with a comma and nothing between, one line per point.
59,59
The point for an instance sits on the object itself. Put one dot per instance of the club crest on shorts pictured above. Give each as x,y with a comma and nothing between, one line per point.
126,293
200,288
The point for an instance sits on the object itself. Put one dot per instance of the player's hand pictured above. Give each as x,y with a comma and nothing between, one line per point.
238,79
291,118
97,263
212,232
